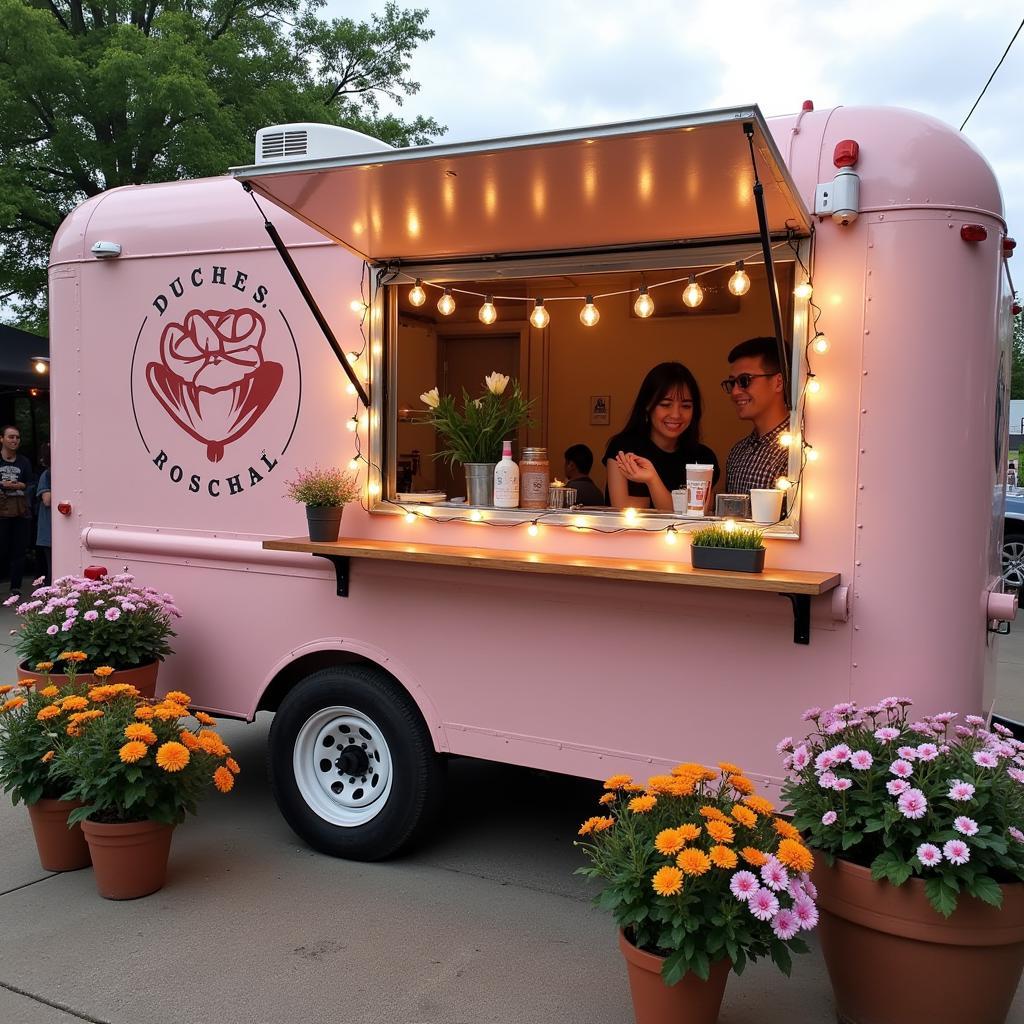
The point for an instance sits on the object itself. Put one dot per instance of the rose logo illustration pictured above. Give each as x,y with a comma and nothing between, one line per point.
212,378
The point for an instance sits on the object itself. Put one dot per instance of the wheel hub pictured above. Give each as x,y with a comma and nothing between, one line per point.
353,761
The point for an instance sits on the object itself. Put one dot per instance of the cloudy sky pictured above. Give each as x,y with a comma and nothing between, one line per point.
500,67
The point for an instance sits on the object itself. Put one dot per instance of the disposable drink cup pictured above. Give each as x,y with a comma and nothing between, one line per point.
679,501
698,487
766,506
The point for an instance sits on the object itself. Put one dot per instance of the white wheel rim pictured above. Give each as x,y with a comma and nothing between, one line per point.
342,766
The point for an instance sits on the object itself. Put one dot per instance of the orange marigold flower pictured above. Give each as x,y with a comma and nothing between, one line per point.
693,861
668,841
211,743
741,784
233,766
642,804
72,656
744,815
729,768
723,857
660,784
618,781
172,757
667,881
140,731
713,813
683,787
795,855
44,666
223,779
74,703
688,768
144,712
607,798
47,757
588,826
189,740
632,787
74,729
720,831
99,694
603,824
50,711
169,712
6,688
119,688
49,691
177,697
759,804
12,703
134,750
688,831
786,830
103,671
753,856
85,716
206,719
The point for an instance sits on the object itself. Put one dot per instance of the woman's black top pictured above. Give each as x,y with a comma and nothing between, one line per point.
671,466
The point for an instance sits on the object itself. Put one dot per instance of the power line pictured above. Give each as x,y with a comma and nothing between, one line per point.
993,75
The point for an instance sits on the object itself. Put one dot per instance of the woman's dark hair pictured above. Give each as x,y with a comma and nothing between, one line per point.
660,380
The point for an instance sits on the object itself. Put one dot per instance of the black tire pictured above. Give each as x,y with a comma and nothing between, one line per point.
304,787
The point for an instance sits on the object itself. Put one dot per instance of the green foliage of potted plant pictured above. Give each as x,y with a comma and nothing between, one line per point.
701,876
473,434
112,621
738,549
325,493
138,767
922,828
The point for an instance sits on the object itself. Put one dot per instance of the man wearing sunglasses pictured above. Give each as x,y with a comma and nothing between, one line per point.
755,386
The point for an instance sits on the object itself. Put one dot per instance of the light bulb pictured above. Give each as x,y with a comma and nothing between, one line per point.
476,515
353,358
813,386
540,317
803,290
353,423
644,305
446,304
821,343
488,314
350,388
41,366
812,454
579,522
783,483
533,529
730,526
670,535
739,283
693,294
353,464
786,439
630,515
357,305
373,488
409,517
589,314
417,296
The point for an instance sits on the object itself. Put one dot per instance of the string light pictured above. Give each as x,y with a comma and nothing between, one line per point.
488,314
813,387
417,296
353,358
446,304
739,283
820,343
353,464
670,535
350,388
540,317
352,424
644,305
693,294
476,515
533,529
812,453
357,306
803,290
786,439
373,488
730,526
783,483
589,314
409,517
579,522
630,515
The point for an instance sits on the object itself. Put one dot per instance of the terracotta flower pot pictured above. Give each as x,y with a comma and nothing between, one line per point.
893,959
129,860
60,848
690,1001
143,678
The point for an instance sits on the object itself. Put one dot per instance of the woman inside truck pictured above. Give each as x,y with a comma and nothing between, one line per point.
646,461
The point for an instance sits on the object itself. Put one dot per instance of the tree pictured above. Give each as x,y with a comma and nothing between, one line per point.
1017,358
95,94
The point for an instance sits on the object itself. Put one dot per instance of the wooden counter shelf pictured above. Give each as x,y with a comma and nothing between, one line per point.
799,586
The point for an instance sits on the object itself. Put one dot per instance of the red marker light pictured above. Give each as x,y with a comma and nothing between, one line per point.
94,572
808,105
1017,309
973,232
1009,244
846,153
64,508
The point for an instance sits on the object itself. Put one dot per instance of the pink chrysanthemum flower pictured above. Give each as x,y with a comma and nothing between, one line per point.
844,708
833,727
801,757
38,581
901,769
861,760
960,791
974,720
965,826
13,599
927,751
907,753
829,818
774,875
50,630
887,734
763,904
1015,773
956,851
841,752
67,625
912,804
112,614
897,786
827,780
811,714
841,785
962,730
1001,729
806,912
91,615
809,887
929,854
785,924
824,761
743,885
887,703
783,745
1016,834
985,759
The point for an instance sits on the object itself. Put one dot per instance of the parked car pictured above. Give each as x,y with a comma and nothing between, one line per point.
1013,539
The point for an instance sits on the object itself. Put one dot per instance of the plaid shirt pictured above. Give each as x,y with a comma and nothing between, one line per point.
757,461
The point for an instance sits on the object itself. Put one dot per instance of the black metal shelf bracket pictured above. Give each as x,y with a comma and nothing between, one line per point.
801,617
341,570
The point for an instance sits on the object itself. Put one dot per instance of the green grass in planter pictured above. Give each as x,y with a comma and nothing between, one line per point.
719,537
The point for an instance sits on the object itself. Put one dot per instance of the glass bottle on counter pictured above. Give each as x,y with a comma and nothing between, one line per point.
534,478
506,479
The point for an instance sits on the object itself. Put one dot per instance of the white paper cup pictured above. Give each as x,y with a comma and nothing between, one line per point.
698,486
679,501
766,505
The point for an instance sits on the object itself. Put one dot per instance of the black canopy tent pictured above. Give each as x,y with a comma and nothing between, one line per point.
24,392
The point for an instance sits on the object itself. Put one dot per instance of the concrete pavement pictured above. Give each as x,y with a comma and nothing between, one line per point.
485,925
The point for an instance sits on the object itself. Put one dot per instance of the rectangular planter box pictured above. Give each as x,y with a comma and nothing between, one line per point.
731,559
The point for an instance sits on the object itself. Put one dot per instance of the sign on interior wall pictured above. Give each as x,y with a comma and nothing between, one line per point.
600,410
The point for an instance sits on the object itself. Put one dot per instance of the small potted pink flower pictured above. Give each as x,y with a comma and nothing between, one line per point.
920,824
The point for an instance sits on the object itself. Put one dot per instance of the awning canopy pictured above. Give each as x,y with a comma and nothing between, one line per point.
684,179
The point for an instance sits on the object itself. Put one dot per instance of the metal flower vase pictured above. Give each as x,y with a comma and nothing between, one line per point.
480,483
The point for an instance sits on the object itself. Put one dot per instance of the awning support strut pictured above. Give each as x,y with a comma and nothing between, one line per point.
769,266
311,302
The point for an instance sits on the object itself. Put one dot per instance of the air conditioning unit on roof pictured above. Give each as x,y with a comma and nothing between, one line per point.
311,141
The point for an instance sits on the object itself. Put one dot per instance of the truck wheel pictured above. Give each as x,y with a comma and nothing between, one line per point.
352,766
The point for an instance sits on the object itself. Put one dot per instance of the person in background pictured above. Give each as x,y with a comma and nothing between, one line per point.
647,460
16,483
755,385
579,460
44,540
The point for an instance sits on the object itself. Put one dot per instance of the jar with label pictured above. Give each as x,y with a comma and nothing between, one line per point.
534,477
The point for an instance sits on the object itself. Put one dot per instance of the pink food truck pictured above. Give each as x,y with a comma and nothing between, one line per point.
210,338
